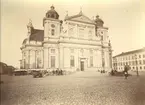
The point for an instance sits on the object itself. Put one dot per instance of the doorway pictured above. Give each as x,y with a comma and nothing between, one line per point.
82,65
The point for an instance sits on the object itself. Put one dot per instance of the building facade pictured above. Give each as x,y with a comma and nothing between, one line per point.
135,59
77,43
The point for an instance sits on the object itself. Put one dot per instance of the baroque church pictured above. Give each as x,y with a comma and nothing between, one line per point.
76,43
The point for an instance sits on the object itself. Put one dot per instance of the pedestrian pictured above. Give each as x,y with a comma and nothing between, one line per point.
53,72
126,68
57,71
61,72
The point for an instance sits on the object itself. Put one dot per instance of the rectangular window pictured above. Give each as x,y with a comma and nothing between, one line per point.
90,34
52,61
81,32
143,61
140,62
91,61
72,61
71,31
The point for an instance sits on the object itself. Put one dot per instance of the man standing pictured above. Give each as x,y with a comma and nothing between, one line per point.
126,68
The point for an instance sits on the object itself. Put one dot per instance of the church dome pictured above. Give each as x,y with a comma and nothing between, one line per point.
99,22
52,13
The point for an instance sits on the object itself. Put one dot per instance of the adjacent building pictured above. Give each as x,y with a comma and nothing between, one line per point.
76,43
135,59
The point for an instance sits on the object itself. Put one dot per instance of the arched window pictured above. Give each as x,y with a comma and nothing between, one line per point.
52,32
48,16
52,16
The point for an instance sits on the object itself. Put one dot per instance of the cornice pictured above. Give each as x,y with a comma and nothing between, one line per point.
82,22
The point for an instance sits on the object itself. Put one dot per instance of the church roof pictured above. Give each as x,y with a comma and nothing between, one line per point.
37,35
80,18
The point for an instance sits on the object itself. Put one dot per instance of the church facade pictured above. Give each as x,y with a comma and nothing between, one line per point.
76,43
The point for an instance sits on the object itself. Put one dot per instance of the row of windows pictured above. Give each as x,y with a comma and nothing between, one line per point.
141,68
81,50
72,51
81,32
72,61
132,57
140,62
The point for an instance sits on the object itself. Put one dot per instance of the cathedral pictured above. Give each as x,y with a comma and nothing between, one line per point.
75,44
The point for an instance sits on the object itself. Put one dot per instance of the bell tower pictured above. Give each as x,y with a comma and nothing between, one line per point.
102,33
51,24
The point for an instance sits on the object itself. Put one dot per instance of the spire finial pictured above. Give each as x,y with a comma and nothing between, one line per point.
80,10
97,16
52,7
66,15
30,23
66,12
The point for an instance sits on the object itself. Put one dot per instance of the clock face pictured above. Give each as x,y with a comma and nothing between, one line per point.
101,32
52,25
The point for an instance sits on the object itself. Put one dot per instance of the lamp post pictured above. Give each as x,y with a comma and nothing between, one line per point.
136,65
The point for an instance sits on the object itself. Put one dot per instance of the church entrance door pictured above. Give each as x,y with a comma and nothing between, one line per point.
82,65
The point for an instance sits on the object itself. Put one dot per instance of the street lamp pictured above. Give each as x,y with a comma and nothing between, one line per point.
136,65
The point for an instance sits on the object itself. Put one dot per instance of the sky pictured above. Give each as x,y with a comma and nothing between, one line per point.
124,18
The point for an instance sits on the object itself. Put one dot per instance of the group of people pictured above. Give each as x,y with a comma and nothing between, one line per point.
57,72
124,73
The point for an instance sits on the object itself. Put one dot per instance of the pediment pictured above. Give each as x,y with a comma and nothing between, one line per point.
80,18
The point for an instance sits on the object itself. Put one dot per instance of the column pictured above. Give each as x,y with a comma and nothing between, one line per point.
110,55
35,59
41,58
28,59
22,60
61,60
45,58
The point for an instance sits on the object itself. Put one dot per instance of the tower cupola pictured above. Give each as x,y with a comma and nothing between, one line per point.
52,13
99,22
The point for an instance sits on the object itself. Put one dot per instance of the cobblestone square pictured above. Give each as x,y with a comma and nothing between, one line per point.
81,88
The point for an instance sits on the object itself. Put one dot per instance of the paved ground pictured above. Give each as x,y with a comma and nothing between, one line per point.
82,88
